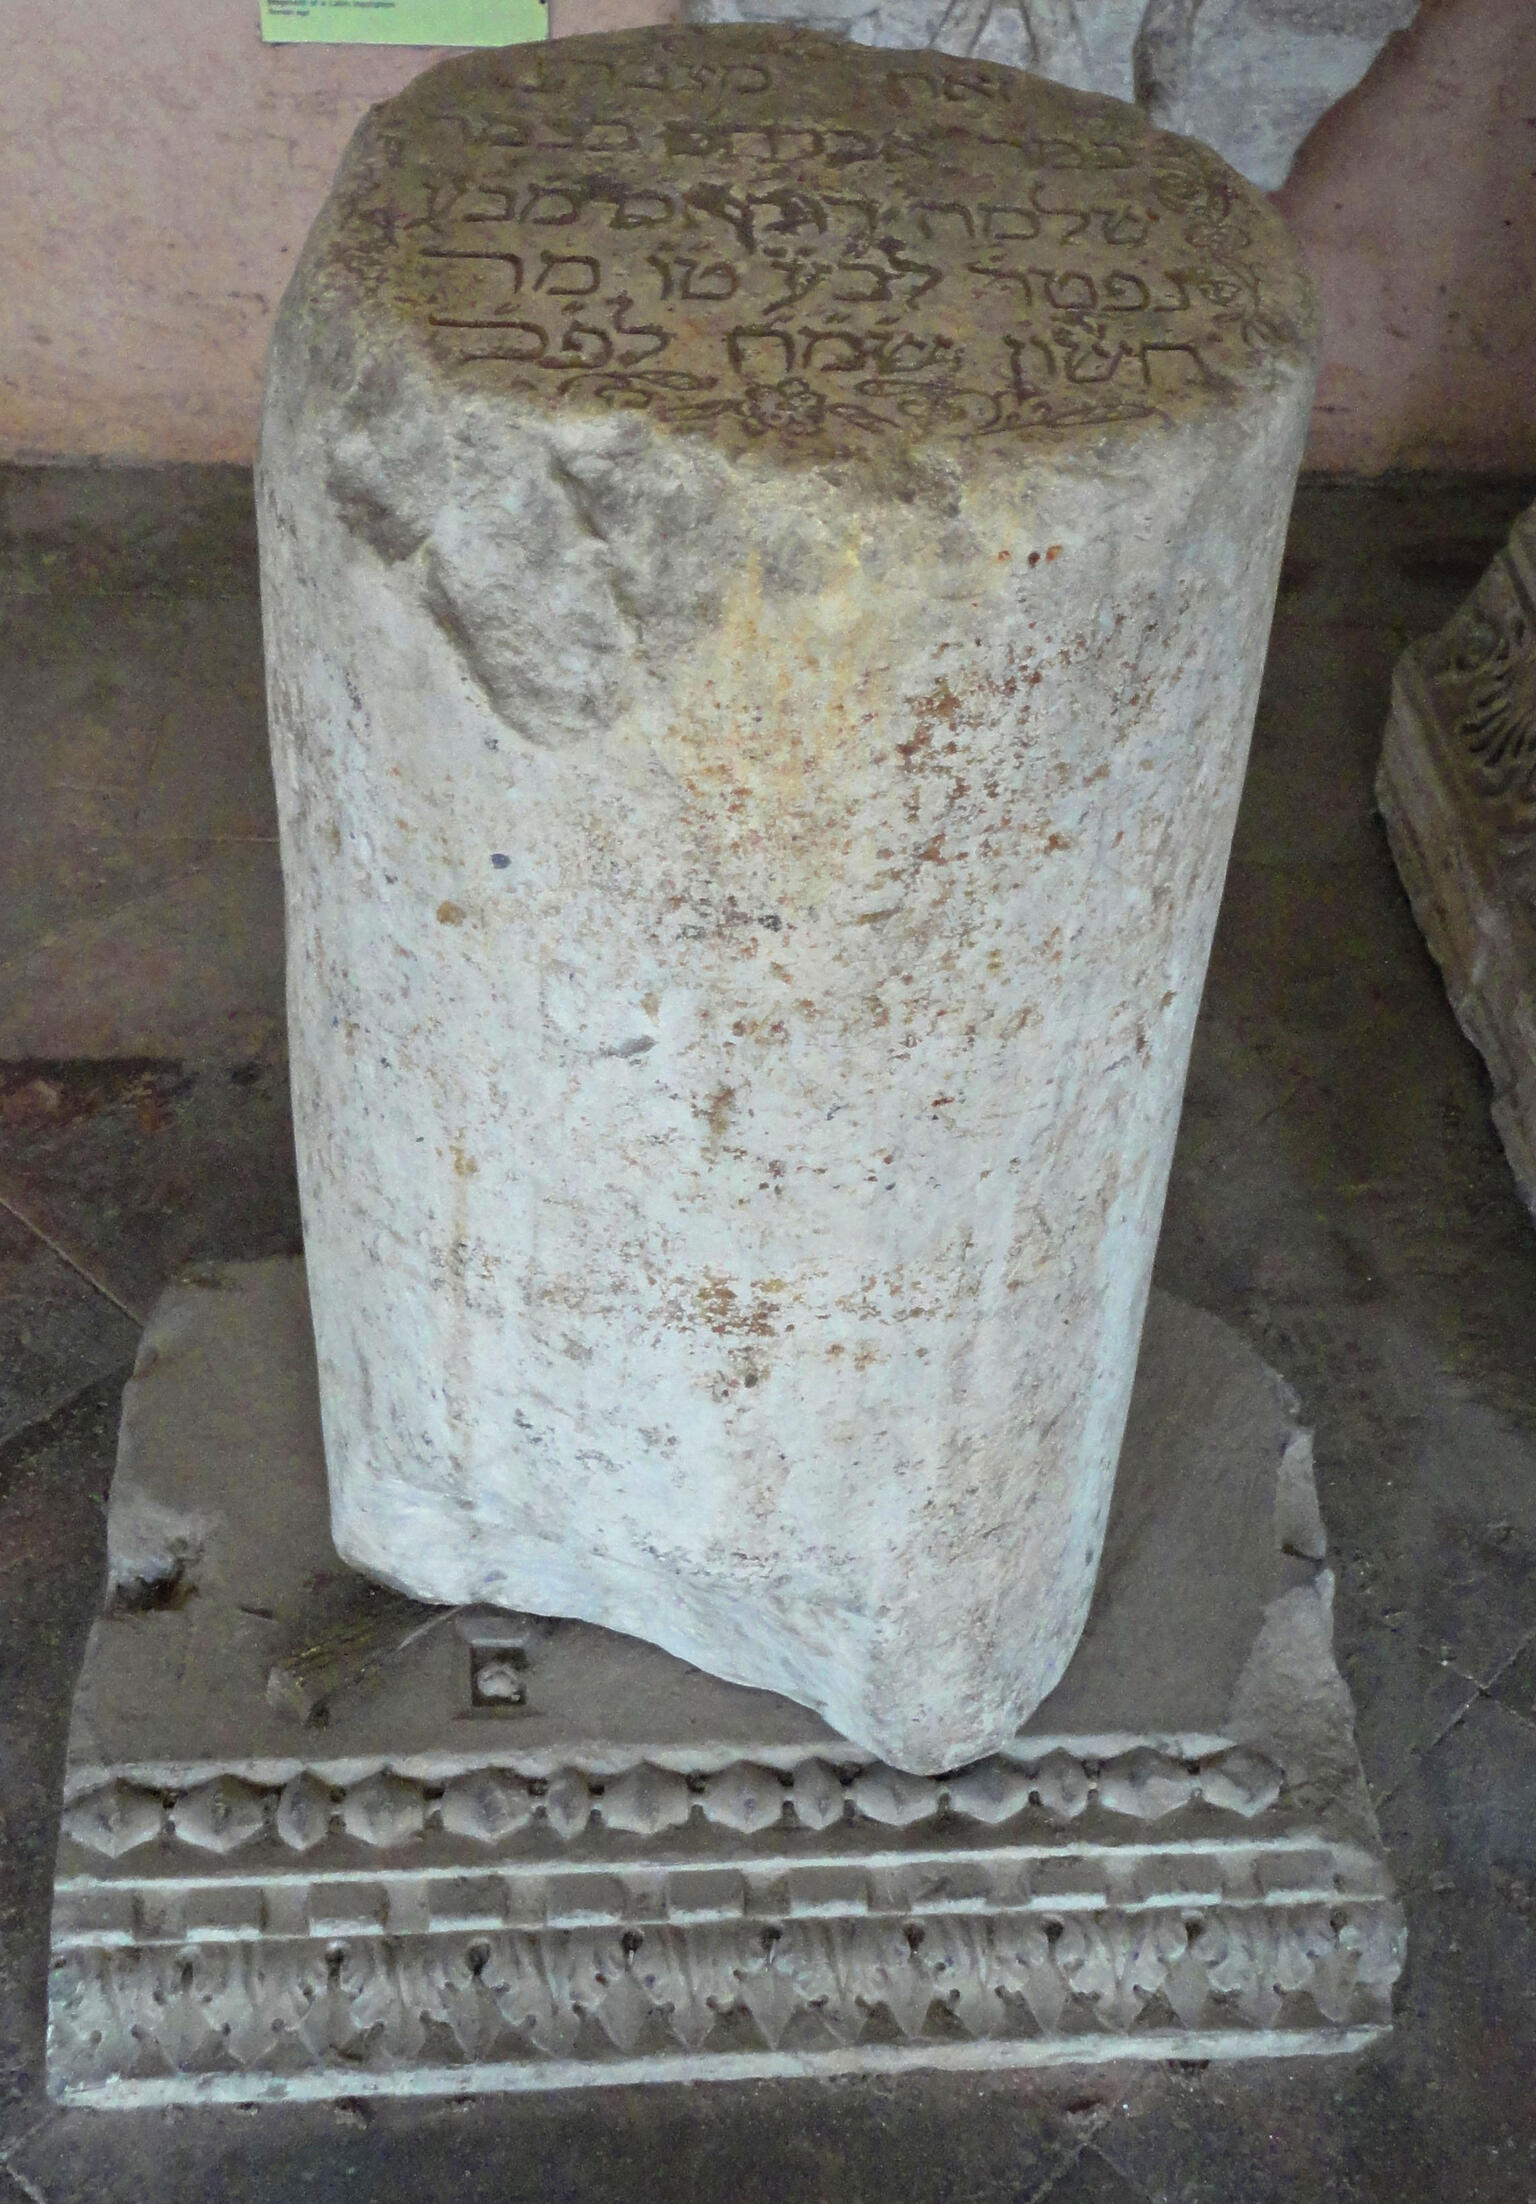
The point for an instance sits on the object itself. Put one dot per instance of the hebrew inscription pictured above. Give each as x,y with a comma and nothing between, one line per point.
782,238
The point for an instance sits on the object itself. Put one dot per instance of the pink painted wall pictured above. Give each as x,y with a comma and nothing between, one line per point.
1415,202
159,167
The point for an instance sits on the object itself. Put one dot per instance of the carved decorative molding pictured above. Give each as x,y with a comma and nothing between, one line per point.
1479,678
226,1812
456,2011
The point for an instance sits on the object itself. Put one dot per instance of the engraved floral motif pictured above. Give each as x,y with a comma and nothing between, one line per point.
802,1986
1482,667
790,406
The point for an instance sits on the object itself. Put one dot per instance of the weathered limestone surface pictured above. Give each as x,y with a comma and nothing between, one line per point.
1250,77
1457,790
768,550
619,1869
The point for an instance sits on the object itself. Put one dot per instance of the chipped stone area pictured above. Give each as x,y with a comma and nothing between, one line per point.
635,1872
1250,77
1457,790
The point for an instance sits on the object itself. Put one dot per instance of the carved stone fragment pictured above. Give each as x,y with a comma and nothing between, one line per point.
1250,77
1457,789
768,549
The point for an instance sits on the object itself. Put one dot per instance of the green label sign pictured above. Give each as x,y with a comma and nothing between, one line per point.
404,22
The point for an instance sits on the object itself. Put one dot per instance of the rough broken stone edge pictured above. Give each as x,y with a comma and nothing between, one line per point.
1152,63
1099,1972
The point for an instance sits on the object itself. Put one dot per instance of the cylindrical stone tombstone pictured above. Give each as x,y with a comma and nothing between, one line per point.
768,548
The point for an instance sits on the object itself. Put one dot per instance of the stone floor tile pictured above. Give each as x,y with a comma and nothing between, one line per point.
1089,2178
1405,1699
972,2142
149,1163
142,912
1514,1687
57,1332
53,1487
1283,2134
175,531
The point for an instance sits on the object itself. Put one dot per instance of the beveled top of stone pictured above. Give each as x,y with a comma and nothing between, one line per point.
779,240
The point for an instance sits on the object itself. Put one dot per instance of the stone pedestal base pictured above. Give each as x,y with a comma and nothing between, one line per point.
315,1844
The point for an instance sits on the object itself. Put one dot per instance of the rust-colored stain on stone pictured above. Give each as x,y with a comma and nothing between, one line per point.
782,769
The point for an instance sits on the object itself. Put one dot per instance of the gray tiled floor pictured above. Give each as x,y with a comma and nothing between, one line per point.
1338,1194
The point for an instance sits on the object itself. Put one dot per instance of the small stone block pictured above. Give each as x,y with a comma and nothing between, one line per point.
217,1911
161,1913
645,1801
568,1804
897,1799
1146,1785
303,1816
817,1796
383,1811
347,1908
220,1816
993,1791
114,1820
1239,1783
96,1915
467,1901
831,1889
745,1798
486,1805
1061,1785
580,1900
1068,1879
1300,1873
705,1894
